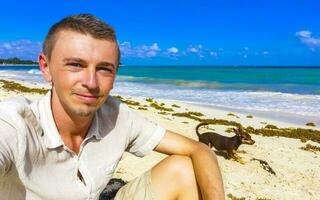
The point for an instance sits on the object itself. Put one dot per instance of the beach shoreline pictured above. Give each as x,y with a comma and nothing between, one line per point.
296,169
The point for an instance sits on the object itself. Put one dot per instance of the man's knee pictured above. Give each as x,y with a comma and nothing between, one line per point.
178,168
174,178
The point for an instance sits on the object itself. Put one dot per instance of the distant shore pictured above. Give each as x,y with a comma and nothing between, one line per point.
19,64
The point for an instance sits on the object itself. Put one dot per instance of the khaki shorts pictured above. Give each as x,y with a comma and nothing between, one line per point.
139,188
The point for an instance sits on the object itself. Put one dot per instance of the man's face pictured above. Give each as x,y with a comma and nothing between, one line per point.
82,70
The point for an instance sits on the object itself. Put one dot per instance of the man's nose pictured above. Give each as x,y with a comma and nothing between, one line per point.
90,79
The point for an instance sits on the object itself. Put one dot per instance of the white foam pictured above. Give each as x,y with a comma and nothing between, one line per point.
306,105
34,71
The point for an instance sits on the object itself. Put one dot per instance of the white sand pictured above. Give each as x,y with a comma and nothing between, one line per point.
297,171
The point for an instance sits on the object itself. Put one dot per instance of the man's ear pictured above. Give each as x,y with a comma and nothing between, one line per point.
44,67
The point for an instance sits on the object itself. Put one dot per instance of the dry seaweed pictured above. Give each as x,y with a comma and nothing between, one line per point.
311,148
311,124
17,87
233,115
176,106
160,107
163,113
230,196
128,102
270,126
298,133
150,100
265,166
187,115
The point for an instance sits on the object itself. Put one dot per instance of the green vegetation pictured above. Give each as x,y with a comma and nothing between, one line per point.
298,133
311,148
128,102
118,97
132,103
311,124
249,116
250,128
221,122
270,126
229,130
199,114
17,87
17,61
233,115
230,196
176,106
150,100
187,115
160,107
142,108
163,113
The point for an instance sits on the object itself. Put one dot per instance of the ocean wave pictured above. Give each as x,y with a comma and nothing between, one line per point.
199,84
188,83
35,71
269,101
32,75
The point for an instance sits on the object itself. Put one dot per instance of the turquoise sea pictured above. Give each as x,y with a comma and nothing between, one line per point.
286,91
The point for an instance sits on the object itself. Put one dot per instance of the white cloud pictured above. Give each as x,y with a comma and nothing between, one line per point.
304,34
305,37
198,50
153,50
155,47
151,54
24,49
192,49
173,50
213,53
195,49
142,51
7,46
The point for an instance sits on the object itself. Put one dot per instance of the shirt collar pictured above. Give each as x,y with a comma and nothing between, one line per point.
52,138
94,129
51,134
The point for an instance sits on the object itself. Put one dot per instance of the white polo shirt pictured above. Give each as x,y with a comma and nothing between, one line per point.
35,163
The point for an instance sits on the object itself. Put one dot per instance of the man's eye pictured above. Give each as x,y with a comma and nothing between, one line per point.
105,69
75,64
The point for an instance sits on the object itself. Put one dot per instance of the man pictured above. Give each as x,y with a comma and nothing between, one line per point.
67,144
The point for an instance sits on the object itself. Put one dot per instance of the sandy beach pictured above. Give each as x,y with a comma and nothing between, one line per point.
275,167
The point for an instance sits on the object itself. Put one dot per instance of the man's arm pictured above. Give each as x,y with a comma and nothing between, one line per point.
204,162
8,141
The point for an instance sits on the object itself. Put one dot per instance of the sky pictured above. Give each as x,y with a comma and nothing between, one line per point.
181,32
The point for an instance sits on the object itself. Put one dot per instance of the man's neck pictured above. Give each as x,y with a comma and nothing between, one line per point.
72,129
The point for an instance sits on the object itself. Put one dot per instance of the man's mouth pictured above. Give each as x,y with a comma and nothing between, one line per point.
87,98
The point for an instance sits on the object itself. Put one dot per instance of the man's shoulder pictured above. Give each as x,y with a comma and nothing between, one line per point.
114,109
14,109
113,105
